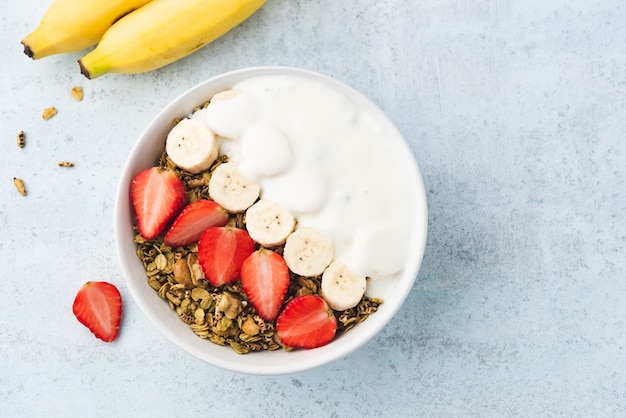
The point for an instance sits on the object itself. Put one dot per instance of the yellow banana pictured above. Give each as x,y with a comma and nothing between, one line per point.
163,31
73,25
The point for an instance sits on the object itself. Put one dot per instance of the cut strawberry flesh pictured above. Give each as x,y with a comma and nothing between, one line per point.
157,195
306,322
221,253
98,306
265,280
194,219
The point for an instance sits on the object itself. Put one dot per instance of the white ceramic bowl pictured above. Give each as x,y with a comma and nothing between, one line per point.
146,153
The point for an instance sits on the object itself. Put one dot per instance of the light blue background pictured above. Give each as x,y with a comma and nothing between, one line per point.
516,114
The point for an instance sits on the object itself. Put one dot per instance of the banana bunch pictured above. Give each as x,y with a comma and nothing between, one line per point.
133,36
73,25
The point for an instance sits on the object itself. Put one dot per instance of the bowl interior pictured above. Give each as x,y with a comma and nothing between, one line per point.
145,154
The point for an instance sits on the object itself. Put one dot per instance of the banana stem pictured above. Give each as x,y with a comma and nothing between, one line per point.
28,51
90,68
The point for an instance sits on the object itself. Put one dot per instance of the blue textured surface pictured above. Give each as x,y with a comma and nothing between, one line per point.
516,113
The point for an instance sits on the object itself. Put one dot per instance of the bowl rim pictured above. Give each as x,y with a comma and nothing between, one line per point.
302,359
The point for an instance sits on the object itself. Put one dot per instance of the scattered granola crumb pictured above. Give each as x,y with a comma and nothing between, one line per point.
19,184
49,112
66,164
77,93
21,139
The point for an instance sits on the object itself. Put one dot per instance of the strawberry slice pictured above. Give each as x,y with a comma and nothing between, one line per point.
265,279
195,218
221,252
98,306
158,195
306,322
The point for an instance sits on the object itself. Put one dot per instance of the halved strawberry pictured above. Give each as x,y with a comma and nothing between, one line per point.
195,218
306,322
98,306
158,195
221,252
265,279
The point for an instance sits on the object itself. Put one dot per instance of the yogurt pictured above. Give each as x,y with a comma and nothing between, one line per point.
315,152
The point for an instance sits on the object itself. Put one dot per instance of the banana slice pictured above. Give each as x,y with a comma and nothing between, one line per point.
268,223
341,288
308,252
192,146
231,189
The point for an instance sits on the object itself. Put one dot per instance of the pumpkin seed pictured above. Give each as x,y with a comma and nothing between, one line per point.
239,348
199,293
160,262
199,316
